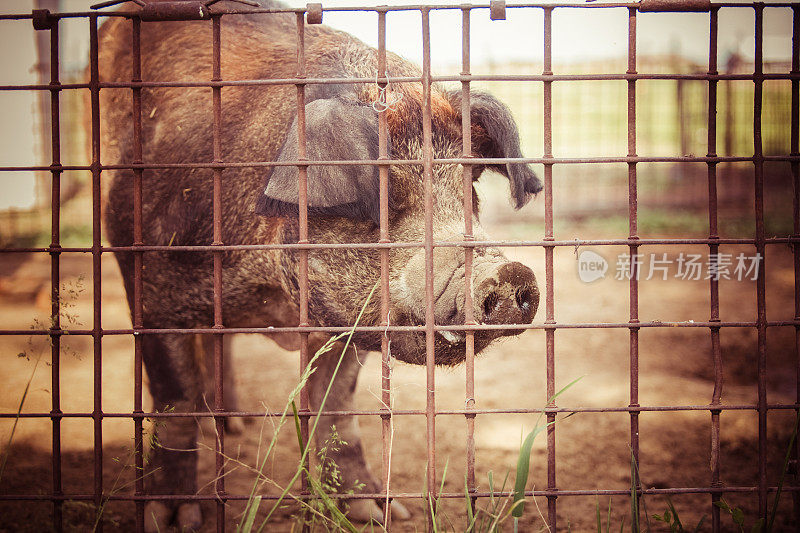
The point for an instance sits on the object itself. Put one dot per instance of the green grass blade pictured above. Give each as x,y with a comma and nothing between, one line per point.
470,514
608,519
675,516
524,459
523,468
7,450
297,429
597,510
250,516
634,496
699,525
341,521
786,459
307,372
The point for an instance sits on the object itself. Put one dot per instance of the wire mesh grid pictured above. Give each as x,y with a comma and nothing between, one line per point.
715,489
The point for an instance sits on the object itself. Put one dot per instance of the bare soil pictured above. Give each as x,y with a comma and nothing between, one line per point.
592,449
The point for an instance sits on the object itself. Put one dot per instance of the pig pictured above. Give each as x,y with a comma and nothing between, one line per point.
259,205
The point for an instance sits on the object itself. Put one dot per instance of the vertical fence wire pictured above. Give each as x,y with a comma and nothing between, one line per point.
219,405
430,374
138,430
55,274
387,423
713,234
761,319
550,333
469,304
634,271
303,239
97,331
794,150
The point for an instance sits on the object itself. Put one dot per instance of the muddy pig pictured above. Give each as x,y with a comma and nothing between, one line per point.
259,205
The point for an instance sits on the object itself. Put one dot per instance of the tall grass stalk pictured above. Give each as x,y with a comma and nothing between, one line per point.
524,459
253,501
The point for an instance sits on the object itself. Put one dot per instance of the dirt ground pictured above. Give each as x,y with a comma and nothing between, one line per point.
592,449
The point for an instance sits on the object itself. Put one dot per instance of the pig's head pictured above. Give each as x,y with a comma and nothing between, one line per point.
343,206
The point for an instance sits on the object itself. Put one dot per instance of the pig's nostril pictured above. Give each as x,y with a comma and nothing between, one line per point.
489,304
523,297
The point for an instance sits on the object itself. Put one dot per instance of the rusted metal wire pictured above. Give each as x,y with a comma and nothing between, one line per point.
795,149
97,329
760,249
634,279
219,406
427,175
413,495
713,234
379,329
313,14
55,273
138,258
462,412
387,427
469,313
302,169
550,352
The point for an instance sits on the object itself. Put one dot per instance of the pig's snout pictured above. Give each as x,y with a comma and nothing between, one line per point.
509,296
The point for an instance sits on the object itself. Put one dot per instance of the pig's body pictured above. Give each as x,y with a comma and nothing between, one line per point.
260,288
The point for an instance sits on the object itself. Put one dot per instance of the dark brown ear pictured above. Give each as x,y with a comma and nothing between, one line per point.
495,134
336,130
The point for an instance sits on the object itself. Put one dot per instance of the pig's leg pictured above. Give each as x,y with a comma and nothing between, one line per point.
176,386
233,425
349,459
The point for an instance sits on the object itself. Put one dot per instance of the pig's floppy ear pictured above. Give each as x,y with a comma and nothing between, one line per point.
495,134
336,129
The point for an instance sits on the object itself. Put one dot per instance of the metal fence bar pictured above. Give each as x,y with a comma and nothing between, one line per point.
97,331
55,274
469,304
387,423
795,166
411,162
547,91
443,412
138,267
713,234
417,495
409,79
409,495
669,6
760,250
379,329
303,239
430,368
219,405
634,269
377,246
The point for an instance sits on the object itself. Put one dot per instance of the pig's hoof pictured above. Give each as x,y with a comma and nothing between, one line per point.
189,517
156,517
399,511
370,511
234,425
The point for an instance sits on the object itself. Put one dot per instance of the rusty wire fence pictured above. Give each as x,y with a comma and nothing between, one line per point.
554,493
